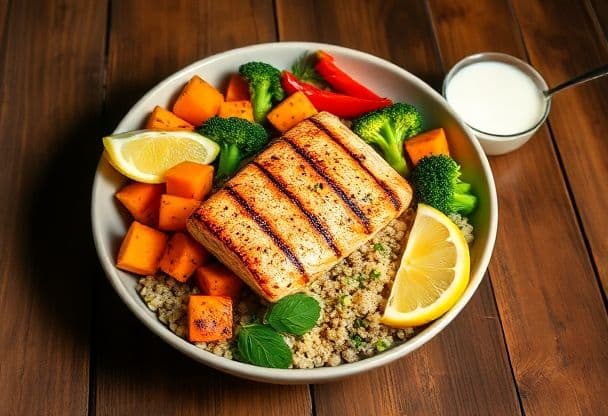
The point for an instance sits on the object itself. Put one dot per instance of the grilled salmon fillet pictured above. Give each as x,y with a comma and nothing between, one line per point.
309,200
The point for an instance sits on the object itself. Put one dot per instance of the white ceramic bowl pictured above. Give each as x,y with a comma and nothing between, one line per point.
387,79
498,144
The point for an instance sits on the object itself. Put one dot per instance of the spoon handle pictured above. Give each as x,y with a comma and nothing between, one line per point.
587,76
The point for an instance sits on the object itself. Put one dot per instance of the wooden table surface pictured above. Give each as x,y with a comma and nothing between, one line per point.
534,338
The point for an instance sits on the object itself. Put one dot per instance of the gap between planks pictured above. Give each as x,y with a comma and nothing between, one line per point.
92,402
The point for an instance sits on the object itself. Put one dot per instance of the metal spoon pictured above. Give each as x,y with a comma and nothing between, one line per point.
581,79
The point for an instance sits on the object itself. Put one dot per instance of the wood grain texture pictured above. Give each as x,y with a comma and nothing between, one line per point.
552,312
465,370
50,93
562,42
599,8
4,11
335,21
137,373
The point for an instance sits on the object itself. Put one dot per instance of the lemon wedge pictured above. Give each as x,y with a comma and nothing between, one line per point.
145,155
433,274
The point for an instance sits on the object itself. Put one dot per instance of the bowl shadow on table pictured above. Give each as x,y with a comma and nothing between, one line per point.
128,354
58,245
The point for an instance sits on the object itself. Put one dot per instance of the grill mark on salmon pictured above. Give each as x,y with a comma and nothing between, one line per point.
385,187
314,221
333,185
218,231
261,222
313,167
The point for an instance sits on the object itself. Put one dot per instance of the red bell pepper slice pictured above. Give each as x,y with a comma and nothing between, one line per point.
340,105
340,80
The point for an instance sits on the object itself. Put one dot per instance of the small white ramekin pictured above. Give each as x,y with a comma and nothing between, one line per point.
497,144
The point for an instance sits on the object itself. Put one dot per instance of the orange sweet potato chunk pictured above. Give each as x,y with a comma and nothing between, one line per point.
240,109
190,180
237,90
429,143
198,101
174,212
161,119
141,249
217,280
209,318
291,111
182,257
142,200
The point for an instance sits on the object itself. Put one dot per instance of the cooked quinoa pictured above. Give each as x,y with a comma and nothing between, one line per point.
352,295
463,223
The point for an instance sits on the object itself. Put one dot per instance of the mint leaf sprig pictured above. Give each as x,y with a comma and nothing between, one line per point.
294,314
263,345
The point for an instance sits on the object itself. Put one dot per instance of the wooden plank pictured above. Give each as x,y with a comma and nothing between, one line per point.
578,116
552,312
465,370
600,9
4,7
51,83
136,372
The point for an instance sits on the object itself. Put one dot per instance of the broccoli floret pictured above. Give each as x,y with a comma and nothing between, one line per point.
436,182
238,139
387,129
265,88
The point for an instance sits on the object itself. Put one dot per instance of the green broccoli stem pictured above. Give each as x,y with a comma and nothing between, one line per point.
395,158
462,187
230,157
463,203
392,149
262,102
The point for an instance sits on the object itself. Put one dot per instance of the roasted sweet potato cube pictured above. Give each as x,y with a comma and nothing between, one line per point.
291,111
162,119
182,257
198,101
174,212
190,180
142,201
238,89
209,318
216,279
141,249
240,109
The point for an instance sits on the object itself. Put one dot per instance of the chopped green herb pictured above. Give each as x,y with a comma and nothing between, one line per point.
316,187
379,247
294,314
361,279
381,345
374,274
261,345
345,300
360,323
356,341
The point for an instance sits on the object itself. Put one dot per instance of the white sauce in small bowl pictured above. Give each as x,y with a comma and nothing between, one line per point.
496,98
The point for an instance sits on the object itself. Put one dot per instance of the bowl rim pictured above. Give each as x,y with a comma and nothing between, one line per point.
321,374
